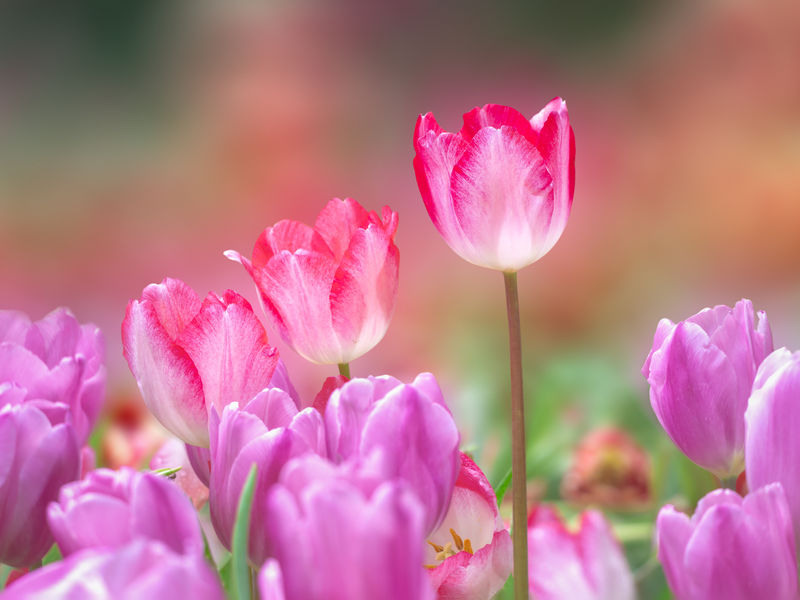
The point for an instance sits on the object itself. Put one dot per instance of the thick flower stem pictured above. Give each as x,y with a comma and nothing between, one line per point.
344,370
518,470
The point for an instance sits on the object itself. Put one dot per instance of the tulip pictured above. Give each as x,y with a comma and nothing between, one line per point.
108,509
700,373
336,538
330,290
260,434
500,190
140,569
189,355
412,427
470,552
772,446
55,359
732,548
37,457
586,565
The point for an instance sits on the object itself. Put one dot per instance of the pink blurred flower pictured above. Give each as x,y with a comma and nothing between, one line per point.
732,548
411,427
500,190
700,373
772,419
586,565
190,355
57,360
267,432
330,290
37,457
470,553
107,509
338,536
132,433
141,569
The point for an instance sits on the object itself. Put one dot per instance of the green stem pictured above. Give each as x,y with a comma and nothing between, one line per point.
344,370
519,477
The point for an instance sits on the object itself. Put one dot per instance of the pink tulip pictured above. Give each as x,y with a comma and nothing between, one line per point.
500,190
470,552
55,359
108,509
338,538
263,433
189,355
330,290
410,425
772,445
37,457
732,548
700,373
586,565
141,569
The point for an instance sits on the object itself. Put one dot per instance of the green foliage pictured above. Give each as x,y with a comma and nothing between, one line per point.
241,530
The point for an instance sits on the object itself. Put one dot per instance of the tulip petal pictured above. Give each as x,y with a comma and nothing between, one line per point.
496,116
502,198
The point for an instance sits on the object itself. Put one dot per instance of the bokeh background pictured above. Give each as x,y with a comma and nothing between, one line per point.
142,139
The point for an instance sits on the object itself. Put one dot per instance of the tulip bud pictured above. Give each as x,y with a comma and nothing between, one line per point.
500,190
733,548
330,290
700,373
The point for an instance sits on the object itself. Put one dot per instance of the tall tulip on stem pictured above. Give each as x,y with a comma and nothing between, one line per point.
500,191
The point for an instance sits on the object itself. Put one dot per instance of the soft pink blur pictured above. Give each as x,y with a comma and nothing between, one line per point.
235,116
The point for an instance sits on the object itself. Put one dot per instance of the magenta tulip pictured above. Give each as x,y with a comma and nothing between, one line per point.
410,426
57,360
700,373
189,355
330,290
500,190
37,457
265,434
772,444
470,553
586,565
732,548
338,538
108,509
141,569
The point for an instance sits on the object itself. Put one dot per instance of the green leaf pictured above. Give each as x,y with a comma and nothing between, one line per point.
502,486
168,472
241,530
53,555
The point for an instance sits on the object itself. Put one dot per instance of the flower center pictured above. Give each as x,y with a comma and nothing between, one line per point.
452,548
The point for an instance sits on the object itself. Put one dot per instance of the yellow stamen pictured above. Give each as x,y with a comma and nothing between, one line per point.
468,546
457,539
436,547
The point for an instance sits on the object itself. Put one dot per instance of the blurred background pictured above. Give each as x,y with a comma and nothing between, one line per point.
142,139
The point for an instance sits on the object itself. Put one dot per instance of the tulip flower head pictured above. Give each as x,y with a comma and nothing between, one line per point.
189,355
586,565
470,554
499,190
329,290
772,445
108,509
732,548
700,373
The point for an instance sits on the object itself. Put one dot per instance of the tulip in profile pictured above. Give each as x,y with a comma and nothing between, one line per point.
37,457
470,554
772,444
700,372
330,290
189,355
586,565
108,509
732,548
410,426
138,570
